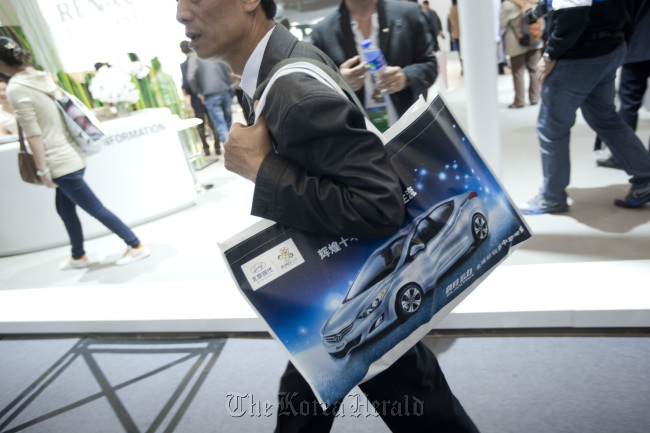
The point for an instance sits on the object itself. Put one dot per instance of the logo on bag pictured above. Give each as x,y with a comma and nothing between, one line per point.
272,264
285,254
258,267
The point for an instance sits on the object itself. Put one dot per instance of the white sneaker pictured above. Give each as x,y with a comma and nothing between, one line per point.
134,254
71,263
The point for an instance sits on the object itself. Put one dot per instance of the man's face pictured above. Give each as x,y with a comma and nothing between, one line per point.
212,26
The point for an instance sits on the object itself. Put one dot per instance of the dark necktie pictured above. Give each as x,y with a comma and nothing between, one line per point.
248,109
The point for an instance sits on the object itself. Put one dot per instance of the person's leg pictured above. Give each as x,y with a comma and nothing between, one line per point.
518,65
534,86
413,396
226,102
67,210
626,147
561,97
298,409
460,56
200,113
78,192
634,83
214,105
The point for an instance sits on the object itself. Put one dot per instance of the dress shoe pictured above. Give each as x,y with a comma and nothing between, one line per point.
608,163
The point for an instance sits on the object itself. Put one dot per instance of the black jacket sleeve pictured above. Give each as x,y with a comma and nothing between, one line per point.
421,69
329,174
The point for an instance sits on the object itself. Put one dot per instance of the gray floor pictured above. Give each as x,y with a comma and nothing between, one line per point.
539,384
507,385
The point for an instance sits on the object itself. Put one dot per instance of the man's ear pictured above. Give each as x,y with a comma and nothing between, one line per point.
250,5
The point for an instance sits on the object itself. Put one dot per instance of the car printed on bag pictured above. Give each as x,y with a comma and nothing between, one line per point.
392,283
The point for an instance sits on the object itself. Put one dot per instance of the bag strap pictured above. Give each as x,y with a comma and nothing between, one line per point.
312,67
21,139
317,70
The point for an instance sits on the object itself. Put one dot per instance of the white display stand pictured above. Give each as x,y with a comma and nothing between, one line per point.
140,175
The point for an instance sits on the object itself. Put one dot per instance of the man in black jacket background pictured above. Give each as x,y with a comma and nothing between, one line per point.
586,46
635,71
197,105
399,30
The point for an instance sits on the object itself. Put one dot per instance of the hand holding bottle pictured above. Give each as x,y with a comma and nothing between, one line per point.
389,79
392,80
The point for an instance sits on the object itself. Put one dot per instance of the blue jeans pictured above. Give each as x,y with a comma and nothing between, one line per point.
220,112
72,192
587,84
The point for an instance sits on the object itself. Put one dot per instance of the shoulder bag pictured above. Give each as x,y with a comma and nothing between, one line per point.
26,163
81,122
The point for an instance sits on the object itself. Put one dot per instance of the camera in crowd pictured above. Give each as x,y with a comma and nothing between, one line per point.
540,10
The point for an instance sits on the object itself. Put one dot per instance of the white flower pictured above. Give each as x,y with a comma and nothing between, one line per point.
115,84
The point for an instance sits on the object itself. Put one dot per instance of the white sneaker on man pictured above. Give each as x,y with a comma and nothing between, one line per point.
132,255
70,263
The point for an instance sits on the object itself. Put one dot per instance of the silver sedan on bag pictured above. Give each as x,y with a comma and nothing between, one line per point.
391,284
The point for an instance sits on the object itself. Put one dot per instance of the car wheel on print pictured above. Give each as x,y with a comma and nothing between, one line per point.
408,301
479,228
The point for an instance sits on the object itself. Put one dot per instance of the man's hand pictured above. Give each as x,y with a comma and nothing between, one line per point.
354,75
392,80
246,148
544,69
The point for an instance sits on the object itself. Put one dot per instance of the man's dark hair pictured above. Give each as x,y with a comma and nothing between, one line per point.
270,8
425,2
185,47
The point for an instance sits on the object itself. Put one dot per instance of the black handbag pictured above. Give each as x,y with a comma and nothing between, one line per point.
26,163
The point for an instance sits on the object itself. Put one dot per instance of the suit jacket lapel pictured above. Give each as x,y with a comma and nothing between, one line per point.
345,35
384,29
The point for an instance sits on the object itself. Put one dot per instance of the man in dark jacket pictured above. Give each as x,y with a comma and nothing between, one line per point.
399,30
197,105
316,168
434,24
213,84
586,46
635,70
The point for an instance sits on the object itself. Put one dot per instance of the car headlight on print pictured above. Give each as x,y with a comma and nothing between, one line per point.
373,306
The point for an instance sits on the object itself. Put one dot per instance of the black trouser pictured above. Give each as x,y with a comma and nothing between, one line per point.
634,83
200,113
415,380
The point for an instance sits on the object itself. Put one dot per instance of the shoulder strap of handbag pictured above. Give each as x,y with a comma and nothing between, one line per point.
21,138
315,69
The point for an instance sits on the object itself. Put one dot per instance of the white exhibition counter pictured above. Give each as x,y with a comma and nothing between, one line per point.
141,174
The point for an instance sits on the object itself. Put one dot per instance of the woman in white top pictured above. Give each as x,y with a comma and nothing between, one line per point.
59,160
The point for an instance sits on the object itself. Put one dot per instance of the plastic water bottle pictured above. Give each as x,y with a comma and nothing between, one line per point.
374,57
